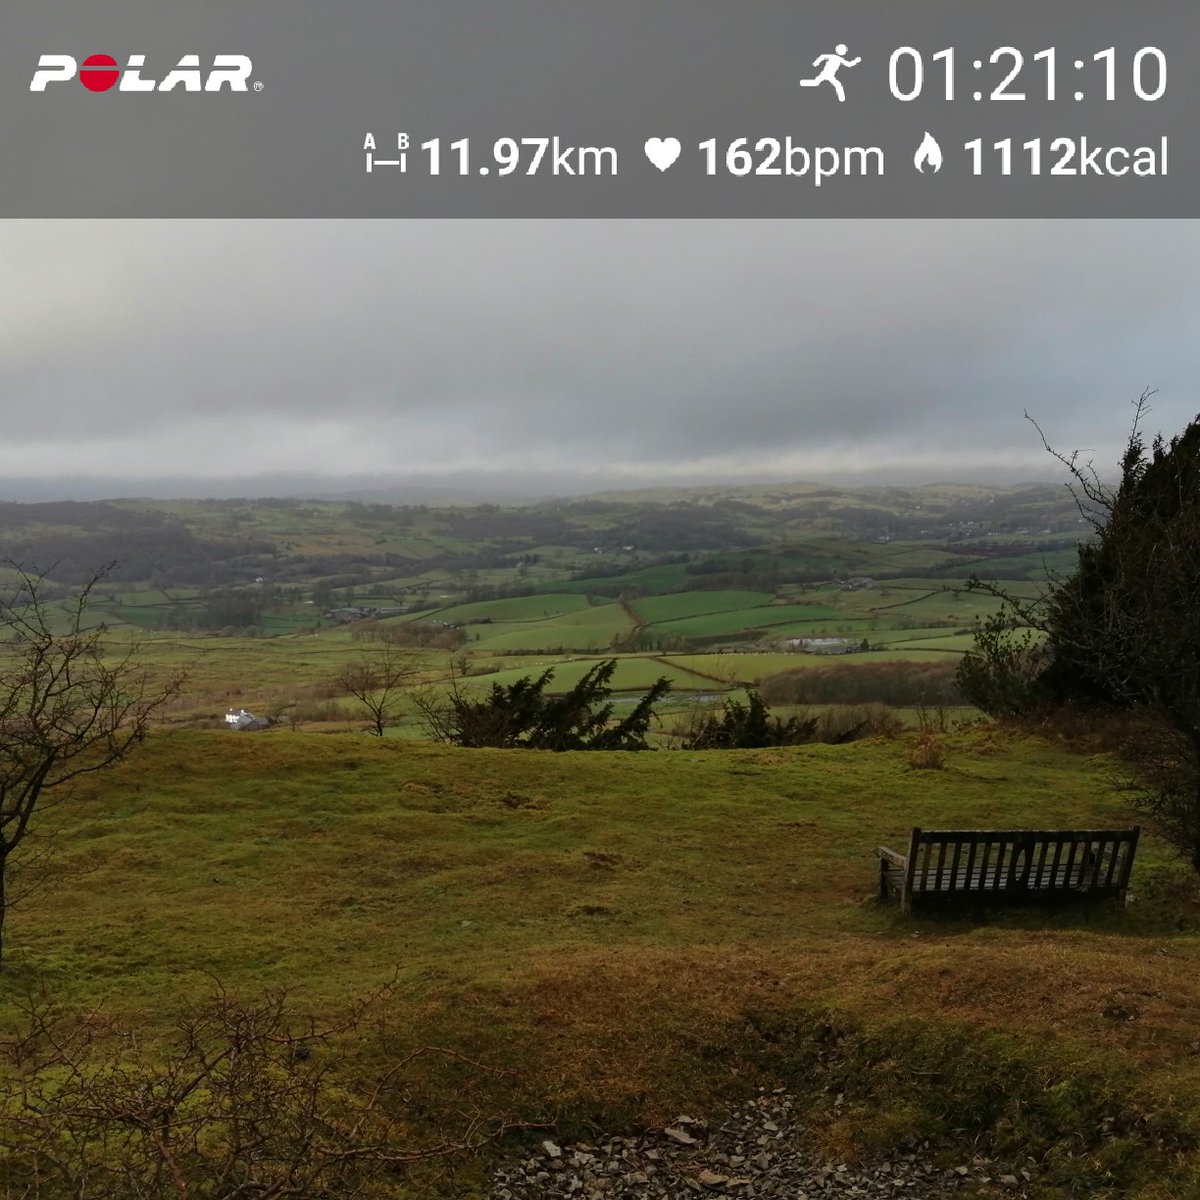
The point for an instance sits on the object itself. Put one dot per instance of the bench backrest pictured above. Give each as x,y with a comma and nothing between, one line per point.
950,861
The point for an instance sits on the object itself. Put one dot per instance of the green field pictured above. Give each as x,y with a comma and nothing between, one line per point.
589,627
766,617
570,639
652,579
743,667
955,643
631,936
520,608
658,609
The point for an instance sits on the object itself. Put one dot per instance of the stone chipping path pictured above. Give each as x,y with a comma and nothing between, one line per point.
755,1153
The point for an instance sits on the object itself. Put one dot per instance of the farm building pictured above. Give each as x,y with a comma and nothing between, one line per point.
824,645
348,613
355,612
240,718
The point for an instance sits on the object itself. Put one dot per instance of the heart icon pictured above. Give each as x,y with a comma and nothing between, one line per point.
662,152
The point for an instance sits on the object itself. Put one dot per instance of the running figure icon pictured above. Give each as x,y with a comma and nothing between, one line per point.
830,64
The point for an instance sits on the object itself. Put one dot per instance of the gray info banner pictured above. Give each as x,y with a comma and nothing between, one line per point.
599,108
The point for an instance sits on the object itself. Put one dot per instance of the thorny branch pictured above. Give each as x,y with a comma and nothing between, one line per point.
247,1099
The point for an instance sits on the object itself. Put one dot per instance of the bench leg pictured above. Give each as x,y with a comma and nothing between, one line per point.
906,893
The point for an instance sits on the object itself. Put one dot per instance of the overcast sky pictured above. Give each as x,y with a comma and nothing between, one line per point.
569,355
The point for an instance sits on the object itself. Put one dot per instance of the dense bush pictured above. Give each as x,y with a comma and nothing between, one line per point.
522,715
749,726
736,727
1122,631
1003,674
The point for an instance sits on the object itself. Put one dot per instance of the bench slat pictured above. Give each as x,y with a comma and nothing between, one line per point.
1008,863
1114,855
1000,881
1041,866
1072,851
966,835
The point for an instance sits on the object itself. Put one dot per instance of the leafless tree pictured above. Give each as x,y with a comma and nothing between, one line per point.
377,679
68,706
438,706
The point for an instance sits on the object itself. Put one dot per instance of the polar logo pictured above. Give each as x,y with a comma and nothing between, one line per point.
100,73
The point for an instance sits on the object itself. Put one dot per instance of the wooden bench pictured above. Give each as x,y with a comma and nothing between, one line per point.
1008,865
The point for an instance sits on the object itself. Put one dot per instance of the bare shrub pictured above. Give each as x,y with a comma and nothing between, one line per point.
476,669
327,689
933,720
315,711
929,754
248,1098
842,723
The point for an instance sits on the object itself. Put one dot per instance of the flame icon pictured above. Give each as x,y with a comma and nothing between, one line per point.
929,153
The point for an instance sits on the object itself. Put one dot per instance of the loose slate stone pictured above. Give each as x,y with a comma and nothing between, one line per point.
679,1135
755,1152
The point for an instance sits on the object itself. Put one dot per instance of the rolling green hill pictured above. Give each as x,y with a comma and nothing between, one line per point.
208,543
629,936
749,570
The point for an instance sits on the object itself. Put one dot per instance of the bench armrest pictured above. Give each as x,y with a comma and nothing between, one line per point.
890,856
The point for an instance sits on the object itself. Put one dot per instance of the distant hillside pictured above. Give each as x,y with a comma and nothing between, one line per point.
219,543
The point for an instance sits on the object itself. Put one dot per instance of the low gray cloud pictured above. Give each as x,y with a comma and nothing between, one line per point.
545,353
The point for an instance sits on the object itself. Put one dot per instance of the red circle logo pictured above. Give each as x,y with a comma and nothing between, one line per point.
99,72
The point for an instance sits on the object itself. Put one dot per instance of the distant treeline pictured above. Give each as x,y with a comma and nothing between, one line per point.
898,684
410,634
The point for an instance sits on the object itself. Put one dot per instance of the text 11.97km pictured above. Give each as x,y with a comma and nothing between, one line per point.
530,155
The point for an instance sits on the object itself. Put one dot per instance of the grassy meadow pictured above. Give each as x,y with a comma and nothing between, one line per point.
628,936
